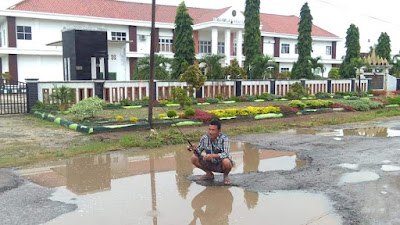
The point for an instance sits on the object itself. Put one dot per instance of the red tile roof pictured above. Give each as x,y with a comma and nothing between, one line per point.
164,14
288,25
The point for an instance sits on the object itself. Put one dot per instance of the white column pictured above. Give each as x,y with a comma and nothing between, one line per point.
228,46
239,53
214,41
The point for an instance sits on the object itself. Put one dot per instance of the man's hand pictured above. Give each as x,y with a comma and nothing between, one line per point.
208,157
191,148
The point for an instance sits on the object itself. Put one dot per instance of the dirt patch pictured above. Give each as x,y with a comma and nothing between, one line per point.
27,133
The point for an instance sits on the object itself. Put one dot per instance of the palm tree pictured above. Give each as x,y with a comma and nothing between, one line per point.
262,67
315,64
142,71
213,68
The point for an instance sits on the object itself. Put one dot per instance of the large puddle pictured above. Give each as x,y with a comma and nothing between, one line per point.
151,188
367,132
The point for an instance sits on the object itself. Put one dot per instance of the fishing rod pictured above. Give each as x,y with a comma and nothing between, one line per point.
184,136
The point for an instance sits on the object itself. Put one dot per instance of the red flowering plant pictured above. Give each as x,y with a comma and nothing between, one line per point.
384,102
379,93
202,100
287,110
202,116
346,107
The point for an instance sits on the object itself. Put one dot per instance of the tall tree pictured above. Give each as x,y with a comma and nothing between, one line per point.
262,67
352,51
383,47
142,71
184,43
252,34
302,68
213,68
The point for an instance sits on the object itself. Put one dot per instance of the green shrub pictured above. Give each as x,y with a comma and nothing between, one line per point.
236,99
189,112
87,108
194,101
44,107
296,92
351,94
212,100
180,95
220,97
268,97
125,102
171,113
339,94
395,100
361,105
316,104
297,104
323,95
250,98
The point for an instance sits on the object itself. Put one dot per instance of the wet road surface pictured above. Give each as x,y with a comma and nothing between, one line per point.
334,175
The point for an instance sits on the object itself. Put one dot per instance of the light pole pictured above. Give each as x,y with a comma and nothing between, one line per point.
152,48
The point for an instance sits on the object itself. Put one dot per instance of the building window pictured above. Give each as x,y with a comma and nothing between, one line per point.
285,48
296,50
24,33
284,69
234,48
221,47
328,50
118,36
165,44
205,47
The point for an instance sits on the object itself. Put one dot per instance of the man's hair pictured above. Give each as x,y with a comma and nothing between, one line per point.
216,123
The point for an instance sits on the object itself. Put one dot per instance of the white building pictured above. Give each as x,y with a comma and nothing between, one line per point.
31,31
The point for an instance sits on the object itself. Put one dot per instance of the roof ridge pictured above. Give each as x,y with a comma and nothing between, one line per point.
176,6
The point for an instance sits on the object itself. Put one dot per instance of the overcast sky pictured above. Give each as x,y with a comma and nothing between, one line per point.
371,17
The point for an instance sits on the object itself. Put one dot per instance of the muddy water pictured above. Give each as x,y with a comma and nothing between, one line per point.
151,188
367,132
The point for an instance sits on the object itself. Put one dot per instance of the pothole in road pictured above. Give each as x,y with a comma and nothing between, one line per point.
151,187
358,177
366,132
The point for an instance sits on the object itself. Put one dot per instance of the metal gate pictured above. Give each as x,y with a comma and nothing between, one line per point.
13,99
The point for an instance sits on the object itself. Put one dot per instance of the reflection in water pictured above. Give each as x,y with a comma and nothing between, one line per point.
251,160
183,168
151,188
217,203
367,132
251,199
89,174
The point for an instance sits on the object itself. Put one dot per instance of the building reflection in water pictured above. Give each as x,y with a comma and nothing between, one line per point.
89,174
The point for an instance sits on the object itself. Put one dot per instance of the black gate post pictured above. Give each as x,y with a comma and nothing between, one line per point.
238,91
98,88
329,87
32,93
